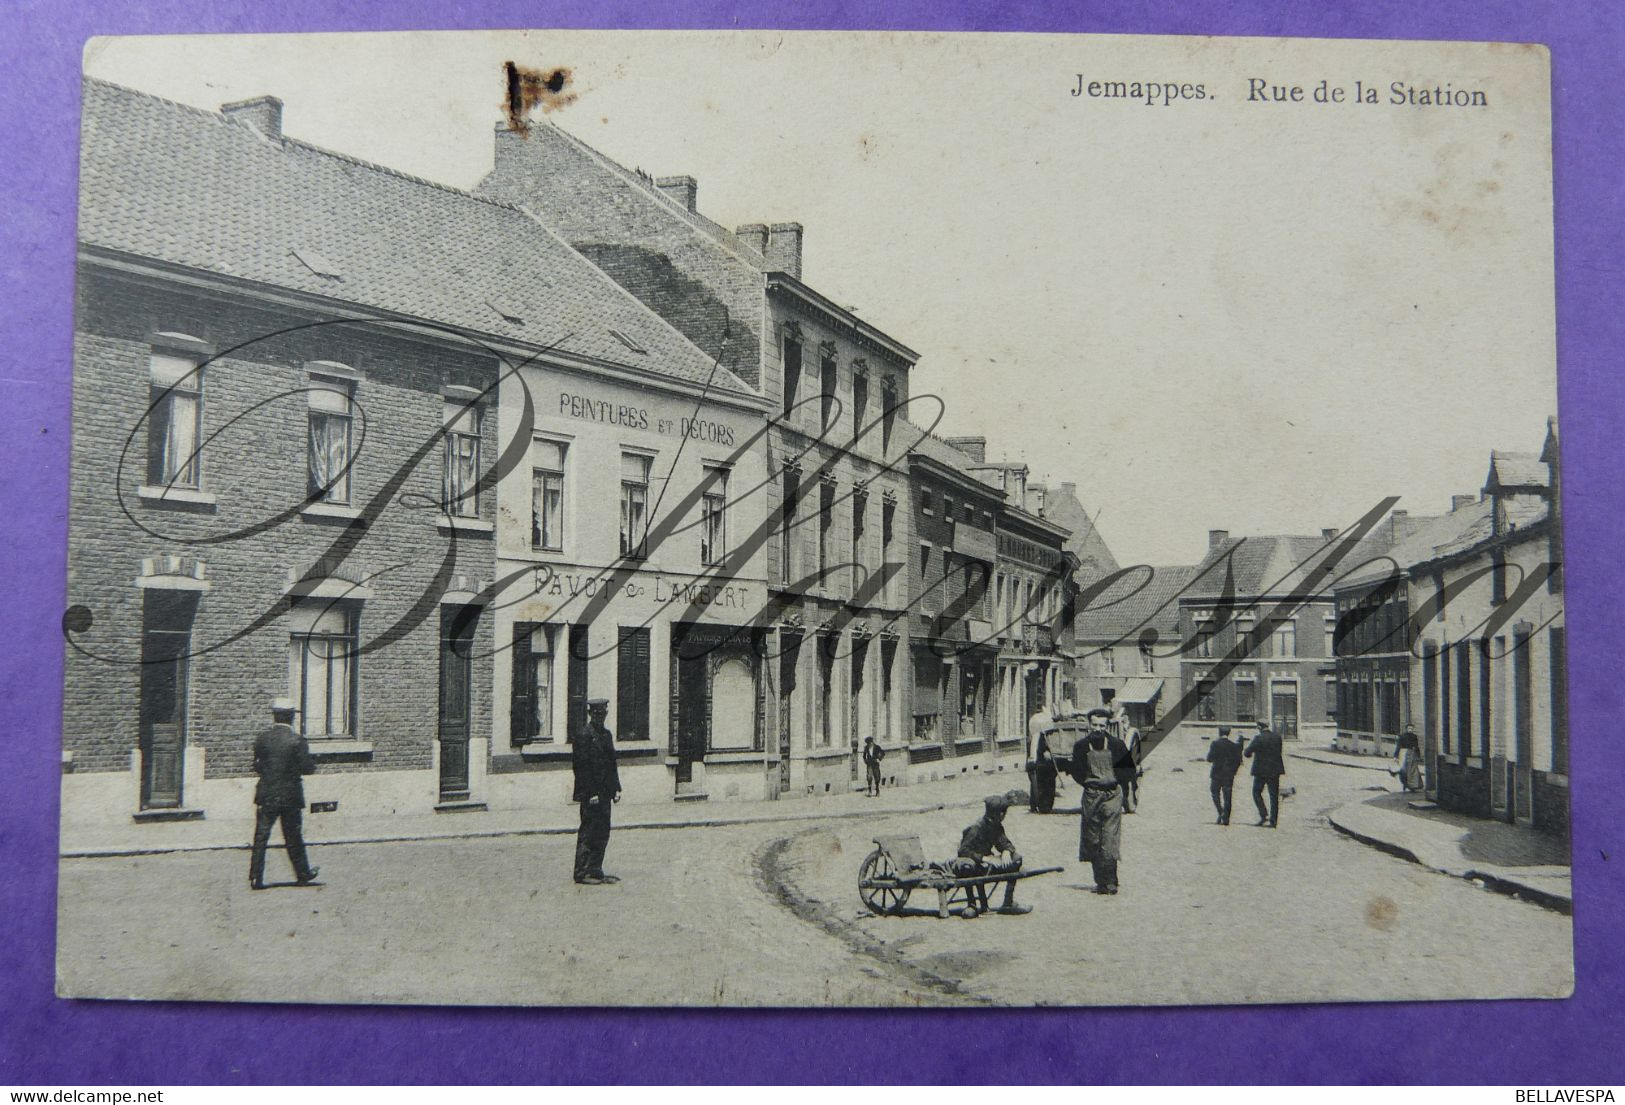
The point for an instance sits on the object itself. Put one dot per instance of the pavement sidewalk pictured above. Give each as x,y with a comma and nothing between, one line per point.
1323,755
218,834
1493,854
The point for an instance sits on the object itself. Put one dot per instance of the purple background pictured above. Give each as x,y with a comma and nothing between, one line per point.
62,1042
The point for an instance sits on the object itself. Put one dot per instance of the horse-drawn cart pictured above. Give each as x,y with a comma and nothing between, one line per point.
898,867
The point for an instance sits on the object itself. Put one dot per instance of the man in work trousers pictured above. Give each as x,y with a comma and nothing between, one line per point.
872,755
598,785
1225,756
1268,767
281,760
1040,762
1094,765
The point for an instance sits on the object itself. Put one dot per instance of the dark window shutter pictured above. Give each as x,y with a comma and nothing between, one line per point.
632,685
521,709
576,682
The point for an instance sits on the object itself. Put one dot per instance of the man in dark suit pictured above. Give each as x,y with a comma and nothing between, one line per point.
1225,756
1268,767
598,784
281,760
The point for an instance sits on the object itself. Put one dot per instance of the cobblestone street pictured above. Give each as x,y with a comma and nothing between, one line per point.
768,914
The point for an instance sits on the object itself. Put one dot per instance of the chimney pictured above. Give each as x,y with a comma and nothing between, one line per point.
753,235
684,189
973,447
1216,538
1398,526
1457,502
263,113
1069,487
784,248
1329,533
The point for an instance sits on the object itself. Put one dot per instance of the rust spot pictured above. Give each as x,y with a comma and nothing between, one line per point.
527,89
1381,913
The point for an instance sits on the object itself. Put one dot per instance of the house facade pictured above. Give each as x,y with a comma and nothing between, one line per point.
295,459
834,626
1126,645
1489,678
1250,591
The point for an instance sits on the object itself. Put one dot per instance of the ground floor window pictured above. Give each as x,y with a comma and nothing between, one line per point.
1206,706
1246,700
322,666
534,677
632,684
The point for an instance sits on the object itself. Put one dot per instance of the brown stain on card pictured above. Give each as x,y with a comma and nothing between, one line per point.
528,89
1381,913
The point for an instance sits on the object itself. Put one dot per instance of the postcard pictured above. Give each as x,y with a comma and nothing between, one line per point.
805,519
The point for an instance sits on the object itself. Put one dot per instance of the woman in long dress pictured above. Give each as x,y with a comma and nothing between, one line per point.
1408,751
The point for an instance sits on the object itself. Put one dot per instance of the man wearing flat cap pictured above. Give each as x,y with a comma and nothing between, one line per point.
985,849
1096,759
598,785
281,760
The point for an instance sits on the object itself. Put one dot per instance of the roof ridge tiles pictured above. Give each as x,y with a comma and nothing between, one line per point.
287,141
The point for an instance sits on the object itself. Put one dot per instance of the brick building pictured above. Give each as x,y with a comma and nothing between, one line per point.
284,452
1489,677
1033,586
1374,638
1126,645
952,643
835,627
1289,677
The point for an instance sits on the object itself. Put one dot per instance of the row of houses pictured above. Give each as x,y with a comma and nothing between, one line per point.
1452,624
443,465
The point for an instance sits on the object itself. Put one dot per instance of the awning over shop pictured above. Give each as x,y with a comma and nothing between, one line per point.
1140,690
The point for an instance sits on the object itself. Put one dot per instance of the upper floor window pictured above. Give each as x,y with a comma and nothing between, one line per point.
1108,661
460,487
634,504
860,510
175,422
1147,659
888,416
826,379
826,523
714,516
1286,638
547,495
860,401
792,372
331,415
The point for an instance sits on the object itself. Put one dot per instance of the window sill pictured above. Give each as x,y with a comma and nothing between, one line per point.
735,756
543,751
828,753
180,498
329,512
321,749
451,524
923,746
1556,780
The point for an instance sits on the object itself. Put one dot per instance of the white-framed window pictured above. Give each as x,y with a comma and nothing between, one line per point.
541,673
460,486
1286,638
1148,661
547,494
1108,661
322,668
714,516
331,415
175,422
1331,634
634,503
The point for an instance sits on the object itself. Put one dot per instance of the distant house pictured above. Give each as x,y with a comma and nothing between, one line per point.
1126,645
1248,588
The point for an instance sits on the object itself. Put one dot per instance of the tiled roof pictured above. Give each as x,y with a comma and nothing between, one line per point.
1121,611
1516,470
1095,557
1272,564
192,188
1424,542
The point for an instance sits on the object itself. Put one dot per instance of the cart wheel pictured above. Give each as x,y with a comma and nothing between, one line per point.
882,899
